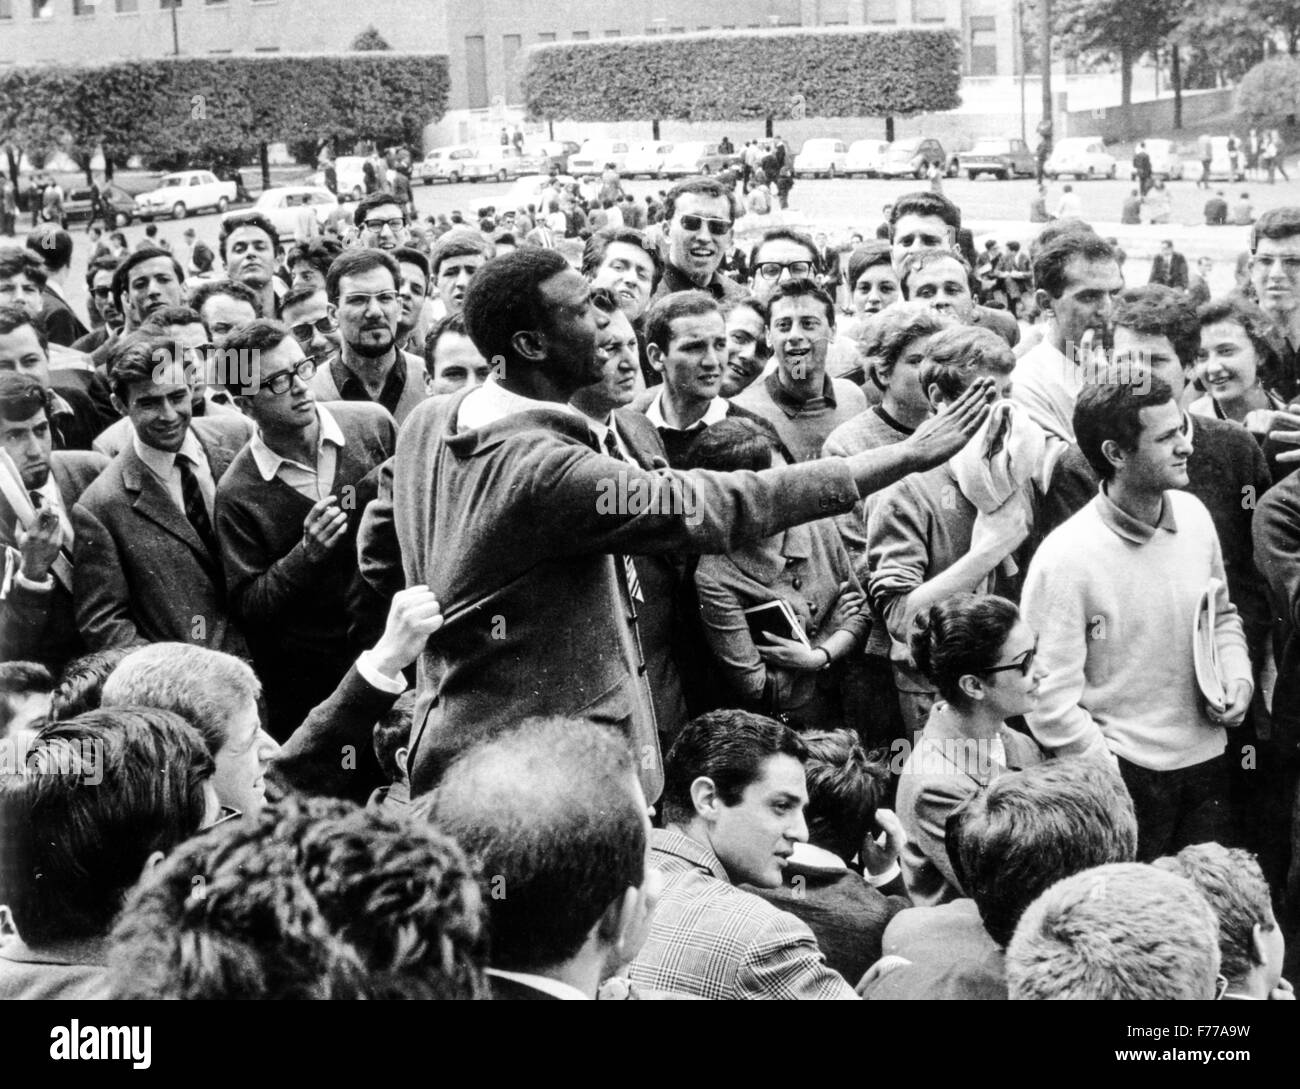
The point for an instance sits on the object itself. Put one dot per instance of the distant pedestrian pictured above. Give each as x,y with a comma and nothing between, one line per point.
1204,152
1142,168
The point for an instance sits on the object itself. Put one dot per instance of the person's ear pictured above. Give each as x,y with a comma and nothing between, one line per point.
935,396
400,757
151,863
1257,954
1044,301
1113,452
705,798
529,345
655,354
332,309
972,687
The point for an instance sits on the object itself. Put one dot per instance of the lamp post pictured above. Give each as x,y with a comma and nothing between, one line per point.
176,34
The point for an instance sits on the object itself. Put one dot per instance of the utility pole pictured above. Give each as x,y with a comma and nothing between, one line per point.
1045,49
176,34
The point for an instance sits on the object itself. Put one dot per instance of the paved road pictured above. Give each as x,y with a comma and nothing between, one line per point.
991,208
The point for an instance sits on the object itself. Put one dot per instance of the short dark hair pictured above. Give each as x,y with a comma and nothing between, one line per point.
548,810
786,234
503,298
1157,310
232,289
1050,259
738,442
319,253
296,296
668,308
452,323
369,203
412,256
312,898
700,186
354,262
102,263
1257,326
959,636
20,679
729,747
915,260
593,252
247,343
459,243
238,220
955,357
866,256
925,203
1110,409
168,317
21,396
13,317
202,257
52,245
81,685
122,277
845,787
883,336
1034,827
392,732
74,844
1276,223
20,261
134,359
801,288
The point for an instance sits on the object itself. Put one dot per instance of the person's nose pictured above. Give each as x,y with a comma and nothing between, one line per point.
372,305
797,832
30,450
267,747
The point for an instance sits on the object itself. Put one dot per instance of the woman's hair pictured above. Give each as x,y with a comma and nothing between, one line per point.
866,256
1257,327
960,636
735,443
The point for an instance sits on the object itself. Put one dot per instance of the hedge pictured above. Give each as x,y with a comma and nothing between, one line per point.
222,108
735,75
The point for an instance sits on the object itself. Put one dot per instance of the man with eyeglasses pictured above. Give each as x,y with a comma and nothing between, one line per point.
783,253
306,311
1275,276
104,312
1117,595
287,516
381,223
700,214
250,248
363,298
183,328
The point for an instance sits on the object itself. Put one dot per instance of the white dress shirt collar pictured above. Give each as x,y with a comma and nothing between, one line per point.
160,462
715,413
554,987
269,462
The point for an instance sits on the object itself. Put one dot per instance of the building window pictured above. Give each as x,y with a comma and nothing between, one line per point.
510,46
548,36
654,30
983,45
84,7
266,48
163,4
476,71
676,30
581,35
128,7
927,11
882,11
213,3
613,34
42,9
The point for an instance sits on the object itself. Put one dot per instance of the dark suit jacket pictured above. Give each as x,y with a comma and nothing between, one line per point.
514,527
1277,555
142,574
94,385
1171,273
510,990
61,322
42,627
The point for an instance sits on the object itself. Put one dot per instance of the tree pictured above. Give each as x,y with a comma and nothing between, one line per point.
1118,30
1269,93
738,75
369,40
1221,41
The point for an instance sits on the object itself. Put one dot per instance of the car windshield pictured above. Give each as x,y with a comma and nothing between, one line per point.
990,147
172,180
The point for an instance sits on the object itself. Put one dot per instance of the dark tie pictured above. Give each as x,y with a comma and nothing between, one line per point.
38,500
195,509
633,581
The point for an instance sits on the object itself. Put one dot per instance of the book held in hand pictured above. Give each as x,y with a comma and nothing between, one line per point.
774,618
1205,652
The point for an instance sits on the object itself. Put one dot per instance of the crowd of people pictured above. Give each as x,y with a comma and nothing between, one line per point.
551,608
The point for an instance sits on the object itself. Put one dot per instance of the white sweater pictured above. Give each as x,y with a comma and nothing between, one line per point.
1113,602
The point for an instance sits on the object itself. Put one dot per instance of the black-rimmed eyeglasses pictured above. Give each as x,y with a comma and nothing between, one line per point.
281,381
1024,663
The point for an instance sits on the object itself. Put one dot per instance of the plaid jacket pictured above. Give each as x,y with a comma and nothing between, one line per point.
711,939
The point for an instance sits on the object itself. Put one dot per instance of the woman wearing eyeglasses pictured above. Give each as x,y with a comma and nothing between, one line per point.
980,655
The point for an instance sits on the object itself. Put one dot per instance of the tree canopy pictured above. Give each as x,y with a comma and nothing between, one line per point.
1269,94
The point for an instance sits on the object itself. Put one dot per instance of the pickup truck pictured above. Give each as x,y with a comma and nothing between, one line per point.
186,191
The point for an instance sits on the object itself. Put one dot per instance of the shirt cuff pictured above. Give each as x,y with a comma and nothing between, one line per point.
43,586
884,878
371,674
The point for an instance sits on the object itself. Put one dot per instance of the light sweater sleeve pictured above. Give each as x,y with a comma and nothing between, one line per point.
1053,605
1229,634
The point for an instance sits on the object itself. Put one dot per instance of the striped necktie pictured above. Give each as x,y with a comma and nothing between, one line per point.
633,581
196,510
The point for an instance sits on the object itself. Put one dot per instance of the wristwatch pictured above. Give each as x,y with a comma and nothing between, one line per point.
829,660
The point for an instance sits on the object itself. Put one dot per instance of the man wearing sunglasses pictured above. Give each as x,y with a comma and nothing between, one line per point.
287,514
699,214
306,312
365,301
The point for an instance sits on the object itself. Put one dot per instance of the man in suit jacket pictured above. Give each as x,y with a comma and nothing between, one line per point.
148,568
553,811
507,512
287,520
37,621
1169,268
53,246
707,937
74,419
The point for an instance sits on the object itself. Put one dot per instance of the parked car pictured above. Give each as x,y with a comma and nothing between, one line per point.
429,169
186,191
454,166
695,157
865,157
528,190
821,155
1001,158
1080,156
121,205
1165,160
557,152
350,173
647,159
913,157
595,154
282,204
500,162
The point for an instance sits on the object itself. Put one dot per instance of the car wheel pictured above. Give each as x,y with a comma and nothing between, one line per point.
222,205
954,168
503,175
453,178
179,211
920,172
428,180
